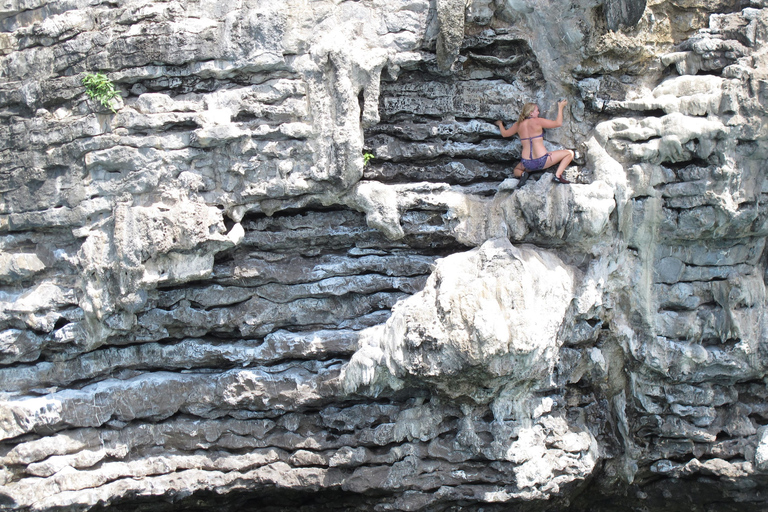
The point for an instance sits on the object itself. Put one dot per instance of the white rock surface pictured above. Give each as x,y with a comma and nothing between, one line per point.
207,299
490,316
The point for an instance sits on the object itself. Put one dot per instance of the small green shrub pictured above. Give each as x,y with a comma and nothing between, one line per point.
100,88
367,157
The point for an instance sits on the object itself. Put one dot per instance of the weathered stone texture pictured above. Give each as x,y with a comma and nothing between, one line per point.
208,300
623,12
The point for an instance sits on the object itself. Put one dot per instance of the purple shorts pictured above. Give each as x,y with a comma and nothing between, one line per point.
535,164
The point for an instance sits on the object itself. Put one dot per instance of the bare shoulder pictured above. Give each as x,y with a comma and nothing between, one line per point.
547,123
536,125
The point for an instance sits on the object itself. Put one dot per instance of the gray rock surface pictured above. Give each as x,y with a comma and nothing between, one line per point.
209,301
623,12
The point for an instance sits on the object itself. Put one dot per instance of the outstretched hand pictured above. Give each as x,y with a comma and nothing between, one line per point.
562,103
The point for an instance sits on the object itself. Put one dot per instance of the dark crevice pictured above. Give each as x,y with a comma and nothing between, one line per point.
184,126
722,436
713,72
746,205
293,212
361,102
178,80
400,118
442,170
229,223
654,113
61,322
693,162
245,117
718,342
674,308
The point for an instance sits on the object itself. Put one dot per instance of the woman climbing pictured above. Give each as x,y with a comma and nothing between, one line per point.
531,127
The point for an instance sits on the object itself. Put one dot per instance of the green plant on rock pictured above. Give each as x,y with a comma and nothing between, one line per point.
367,157
100,88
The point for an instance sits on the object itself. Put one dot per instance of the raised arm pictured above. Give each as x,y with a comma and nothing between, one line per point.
548,123
507,132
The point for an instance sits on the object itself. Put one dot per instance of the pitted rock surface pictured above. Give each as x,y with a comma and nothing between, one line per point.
208,300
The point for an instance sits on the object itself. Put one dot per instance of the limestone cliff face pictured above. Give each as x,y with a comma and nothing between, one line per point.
208,300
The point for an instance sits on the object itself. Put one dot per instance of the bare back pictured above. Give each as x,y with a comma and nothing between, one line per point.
531,133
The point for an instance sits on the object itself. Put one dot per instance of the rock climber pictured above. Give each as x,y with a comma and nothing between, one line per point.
530,127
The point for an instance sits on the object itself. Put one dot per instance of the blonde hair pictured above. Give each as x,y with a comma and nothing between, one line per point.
528,109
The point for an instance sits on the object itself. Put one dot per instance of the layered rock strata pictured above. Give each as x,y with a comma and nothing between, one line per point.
207,299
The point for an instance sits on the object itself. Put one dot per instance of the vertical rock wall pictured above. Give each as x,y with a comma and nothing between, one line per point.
208,300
